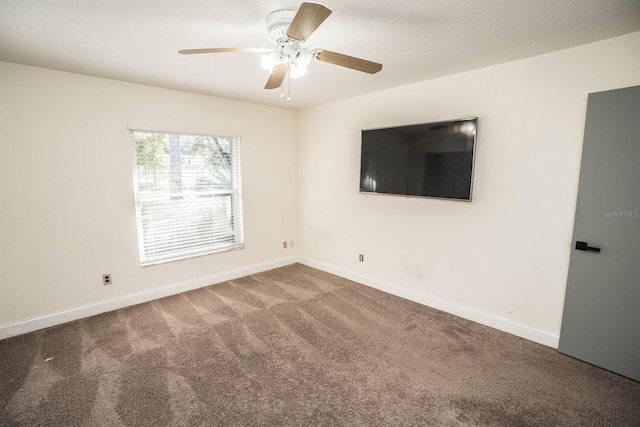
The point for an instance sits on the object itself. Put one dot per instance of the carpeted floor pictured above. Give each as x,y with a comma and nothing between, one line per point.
296,346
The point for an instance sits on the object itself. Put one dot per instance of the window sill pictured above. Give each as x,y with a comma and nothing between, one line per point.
189,255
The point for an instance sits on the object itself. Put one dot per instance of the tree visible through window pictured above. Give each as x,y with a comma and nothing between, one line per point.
188,195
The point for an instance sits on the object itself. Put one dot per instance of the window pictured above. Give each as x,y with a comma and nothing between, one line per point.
188,194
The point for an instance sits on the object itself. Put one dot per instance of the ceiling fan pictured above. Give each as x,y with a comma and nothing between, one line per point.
289,30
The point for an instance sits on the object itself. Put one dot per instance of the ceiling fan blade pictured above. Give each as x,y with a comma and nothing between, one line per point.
307,20
348,61
277,76
224,49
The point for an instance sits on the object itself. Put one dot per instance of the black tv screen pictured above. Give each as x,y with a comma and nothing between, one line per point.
427,160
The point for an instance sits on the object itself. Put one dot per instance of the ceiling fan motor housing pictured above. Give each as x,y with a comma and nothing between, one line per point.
278,23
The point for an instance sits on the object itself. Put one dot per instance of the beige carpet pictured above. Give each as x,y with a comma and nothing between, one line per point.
296,346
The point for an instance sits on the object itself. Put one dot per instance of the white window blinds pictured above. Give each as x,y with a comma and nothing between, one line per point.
188,194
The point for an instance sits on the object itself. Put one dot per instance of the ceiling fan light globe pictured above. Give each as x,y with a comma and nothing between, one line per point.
297,71
267,62
304,58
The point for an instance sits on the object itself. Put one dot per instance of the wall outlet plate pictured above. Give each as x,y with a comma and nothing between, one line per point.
106,279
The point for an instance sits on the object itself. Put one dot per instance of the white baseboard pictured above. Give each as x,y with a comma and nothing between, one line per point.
527,332
53,319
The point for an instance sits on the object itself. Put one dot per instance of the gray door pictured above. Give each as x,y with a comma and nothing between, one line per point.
601,320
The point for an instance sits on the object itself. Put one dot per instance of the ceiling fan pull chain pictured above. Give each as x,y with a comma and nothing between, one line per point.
289,85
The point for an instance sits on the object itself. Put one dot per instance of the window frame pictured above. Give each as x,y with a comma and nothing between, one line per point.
235,193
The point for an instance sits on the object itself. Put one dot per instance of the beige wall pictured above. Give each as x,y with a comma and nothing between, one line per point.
66,191
506,253
66,194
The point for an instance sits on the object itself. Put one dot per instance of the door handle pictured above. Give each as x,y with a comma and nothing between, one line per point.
584,246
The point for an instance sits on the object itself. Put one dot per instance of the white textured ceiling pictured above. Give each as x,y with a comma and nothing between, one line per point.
138,40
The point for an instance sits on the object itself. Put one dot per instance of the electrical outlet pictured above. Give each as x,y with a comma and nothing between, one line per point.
106,279
284,244
361,258
291,243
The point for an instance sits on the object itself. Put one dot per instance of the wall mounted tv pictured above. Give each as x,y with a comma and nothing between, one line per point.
424,160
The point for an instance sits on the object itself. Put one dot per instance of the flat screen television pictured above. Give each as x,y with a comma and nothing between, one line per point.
424,160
